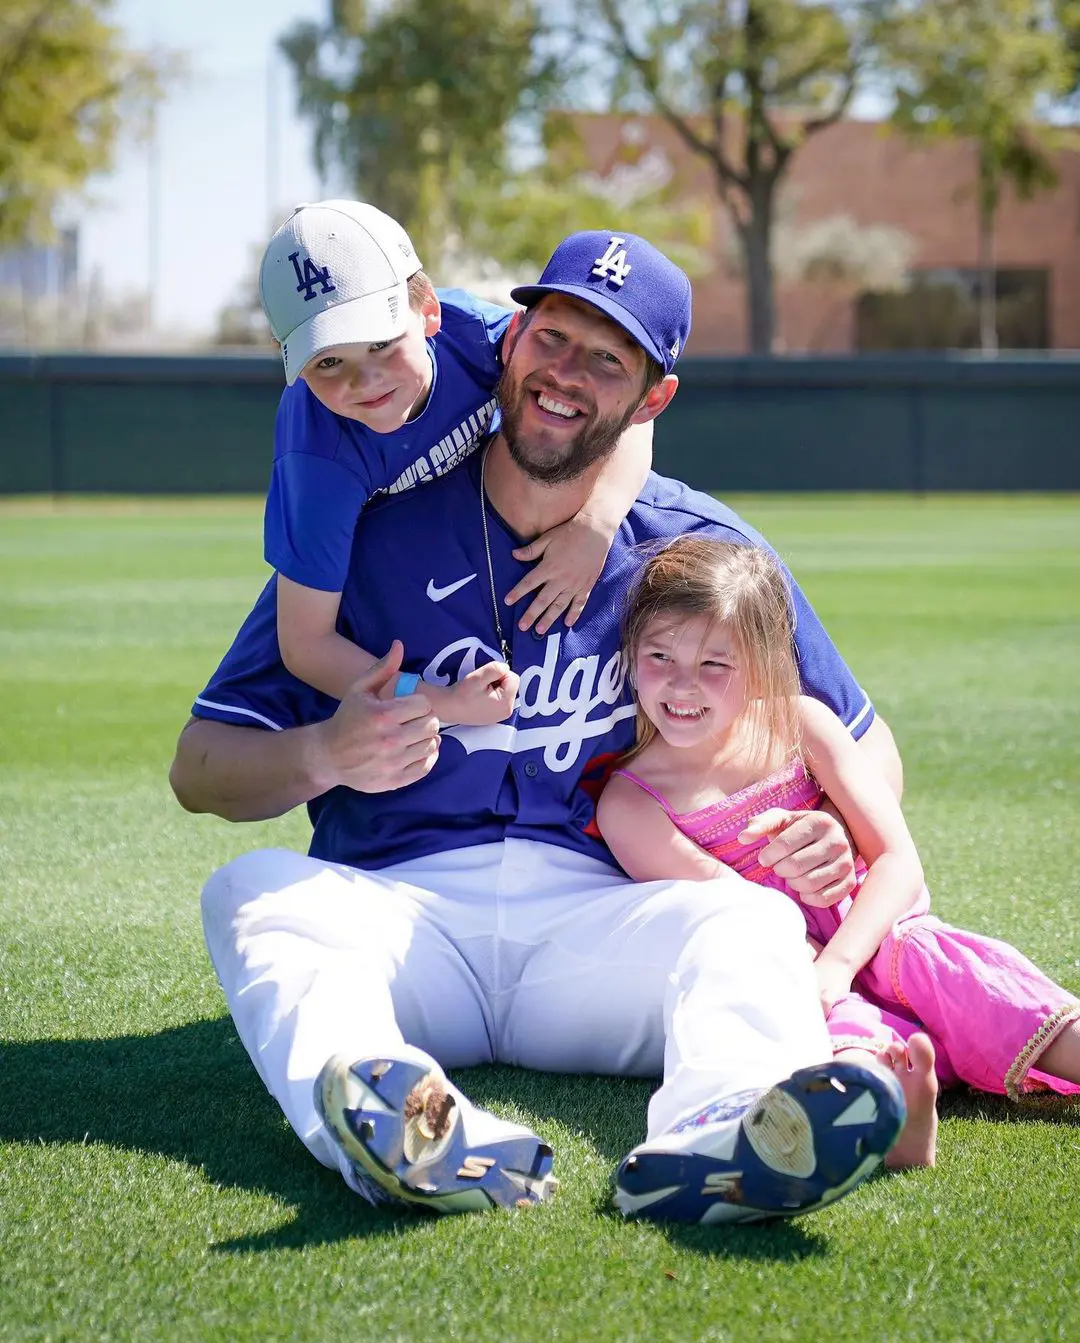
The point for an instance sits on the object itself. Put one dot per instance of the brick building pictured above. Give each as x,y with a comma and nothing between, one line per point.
862,170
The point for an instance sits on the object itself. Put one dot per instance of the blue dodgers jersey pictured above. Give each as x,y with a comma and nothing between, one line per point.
326,467
538,775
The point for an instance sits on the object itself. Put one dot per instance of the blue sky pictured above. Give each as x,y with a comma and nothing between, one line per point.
218,185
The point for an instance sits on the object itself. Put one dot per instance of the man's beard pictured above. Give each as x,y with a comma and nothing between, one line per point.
594,441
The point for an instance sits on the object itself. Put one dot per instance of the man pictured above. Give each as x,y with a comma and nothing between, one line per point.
458,906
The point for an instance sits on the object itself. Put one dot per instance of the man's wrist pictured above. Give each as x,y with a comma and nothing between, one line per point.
317,774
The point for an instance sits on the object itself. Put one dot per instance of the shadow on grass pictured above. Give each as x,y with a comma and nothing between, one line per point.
191,1094
784,1242
780,1242
1042,1107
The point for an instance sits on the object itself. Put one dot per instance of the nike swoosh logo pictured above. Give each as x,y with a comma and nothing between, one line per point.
440,594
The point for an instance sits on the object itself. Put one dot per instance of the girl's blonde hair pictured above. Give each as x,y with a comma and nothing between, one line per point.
743,588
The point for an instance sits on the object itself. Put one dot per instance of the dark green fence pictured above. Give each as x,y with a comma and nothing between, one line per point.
155,424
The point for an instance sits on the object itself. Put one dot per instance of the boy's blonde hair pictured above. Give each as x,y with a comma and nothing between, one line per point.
419,289
743,588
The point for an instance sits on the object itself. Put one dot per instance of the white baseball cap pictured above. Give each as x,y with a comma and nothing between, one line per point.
335,273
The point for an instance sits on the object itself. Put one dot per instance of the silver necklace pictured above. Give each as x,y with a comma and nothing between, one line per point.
503,645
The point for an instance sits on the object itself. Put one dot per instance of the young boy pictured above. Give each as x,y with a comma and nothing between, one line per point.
390,384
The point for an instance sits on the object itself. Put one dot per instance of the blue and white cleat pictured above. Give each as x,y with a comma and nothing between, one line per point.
781,1153
412,1137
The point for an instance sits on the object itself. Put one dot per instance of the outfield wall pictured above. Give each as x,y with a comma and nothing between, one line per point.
204,424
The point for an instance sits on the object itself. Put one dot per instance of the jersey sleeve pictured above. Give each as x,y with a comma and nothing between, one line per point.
823,672
252,687
477,329
317,491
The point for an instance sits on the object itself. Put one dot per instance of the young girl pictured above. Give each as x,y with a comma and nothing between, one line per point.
726,747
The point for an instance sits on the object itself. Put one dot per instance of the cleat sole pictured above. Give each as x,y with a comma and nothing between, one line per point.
799,1147
364,1106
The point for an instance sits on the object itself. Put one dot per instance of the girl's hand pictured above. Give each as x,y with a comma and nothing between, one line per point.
571,559
809,850
834,981
485,696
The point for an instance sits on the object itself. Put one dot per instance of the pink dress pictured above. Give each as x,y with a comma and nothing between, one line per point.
988,1010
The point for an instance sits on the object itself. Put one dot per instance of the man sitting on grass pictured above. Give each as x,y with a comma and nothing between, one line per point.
458,906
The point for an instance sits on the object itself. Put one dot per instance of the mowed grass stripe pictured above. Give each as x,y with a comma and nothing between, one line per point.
150,1189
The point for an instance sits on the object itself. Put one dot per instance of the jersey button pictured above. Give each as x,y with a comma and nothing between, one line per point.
531,770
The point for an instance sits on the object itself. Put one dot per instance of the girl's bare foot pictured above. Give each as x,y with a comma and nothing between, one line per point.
913,1068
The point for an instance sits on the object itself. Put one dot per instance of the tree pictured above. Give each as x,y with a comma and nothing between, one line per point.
983,70
1068,18
837,255
743,84
417,101
522,220
66,81
441,112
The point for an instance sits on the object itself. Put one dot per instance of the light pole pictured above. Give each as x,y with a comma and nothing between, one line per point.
273,136
153,219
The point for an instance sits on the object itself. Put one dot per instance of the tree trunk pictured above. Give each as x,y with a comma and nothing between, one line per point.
988,341
755,233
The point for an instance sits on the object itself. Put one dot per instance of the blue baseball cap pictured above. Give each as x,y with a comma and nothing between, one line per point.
629,280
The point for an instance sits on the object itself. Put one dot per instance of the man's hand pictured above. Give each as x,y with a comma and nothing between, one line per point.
375,745
809,850
571,558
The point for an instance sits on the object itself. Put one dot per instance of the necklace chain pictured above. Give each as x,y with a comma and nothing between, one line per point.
503,645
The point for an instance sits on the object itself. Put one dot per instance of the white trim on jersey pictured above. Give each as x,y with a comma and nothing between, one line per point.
867,706
233,708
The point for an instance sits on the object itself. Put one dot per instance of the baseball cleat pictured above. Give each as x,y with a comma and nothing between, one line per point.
412,1137
780,1153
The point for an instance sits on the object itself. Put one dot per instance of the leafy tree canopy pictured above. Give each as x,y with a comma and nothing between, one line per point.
984,70
66,80
989,72
743,83
416,102
441,112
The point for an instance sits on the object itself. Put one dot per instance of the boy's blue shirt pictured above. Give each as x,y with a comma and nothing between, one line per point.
326,467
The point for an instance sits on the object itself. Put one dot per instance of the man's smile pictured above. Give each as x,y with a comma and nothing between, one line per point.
554,407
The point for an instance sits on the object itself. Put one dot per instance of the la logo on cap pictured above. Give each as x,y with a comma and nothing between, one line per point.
311,276
613,265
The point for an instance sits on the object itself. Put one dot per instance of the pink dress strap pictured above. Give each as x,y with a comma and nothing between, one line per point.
636,778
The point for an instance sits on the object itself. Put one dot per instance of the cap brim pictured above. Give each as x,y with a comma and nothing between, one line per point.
360,321
529,294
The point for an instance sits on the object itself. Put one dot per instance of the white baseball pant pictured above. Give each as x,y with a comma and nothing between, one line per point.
520,952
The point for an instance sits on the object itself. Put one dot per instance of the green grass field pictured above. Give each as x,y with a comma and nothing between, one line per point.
149,1188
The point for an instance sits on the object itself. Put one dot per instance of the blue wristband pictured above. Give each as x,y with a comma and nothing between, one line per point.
406,684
